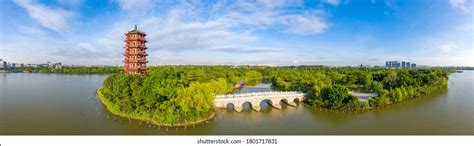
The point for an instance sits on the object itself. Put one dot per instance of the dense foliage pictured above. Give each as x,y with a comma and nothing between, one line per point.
173,95
328,87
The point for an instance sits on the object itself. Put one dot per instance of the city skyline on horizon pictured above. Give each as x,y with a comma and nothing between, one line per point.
284,33
219,64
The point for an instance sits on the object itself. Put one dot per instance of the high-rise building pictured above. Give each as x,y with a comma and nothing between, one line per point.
135,52
399,64
394,64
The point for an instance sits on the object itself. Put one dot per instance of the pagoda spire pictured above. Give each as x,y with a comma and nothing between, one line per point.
135,27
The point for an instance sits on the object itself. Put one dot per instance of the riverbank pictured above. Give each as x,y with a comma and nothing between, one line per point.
386,101
110,107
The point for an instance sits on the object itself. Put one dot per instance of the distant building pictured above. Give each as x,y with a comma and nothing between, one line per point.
392,64
43,65
31,65
58,65
399,65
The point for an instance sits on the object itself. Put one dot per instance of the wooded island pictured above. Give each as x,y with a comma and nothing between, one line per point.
184,95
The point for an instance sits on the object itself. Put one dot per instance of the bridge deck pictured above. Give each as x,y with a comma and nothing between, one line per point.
258,95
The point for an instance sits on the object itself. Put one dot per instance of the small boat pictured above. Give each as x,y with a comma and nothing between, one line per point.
459,71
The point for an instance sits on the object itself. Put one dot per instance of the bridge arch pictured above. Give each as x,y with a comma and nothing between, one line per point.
268,101
296,99
271,102
265,103
289,101
230,105
246,103
275,102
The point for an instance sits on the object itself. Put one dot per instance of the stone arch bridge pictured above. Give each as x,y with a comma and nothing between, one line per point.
256,98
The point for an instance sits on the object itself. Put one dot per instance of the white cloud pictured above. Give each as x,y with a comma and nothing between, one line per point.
305,25
446,48
240,49
459,4
257,15
55,19
261,16
455,47
137,7
3,51
30,30
70,3
178,36
227,29
333,2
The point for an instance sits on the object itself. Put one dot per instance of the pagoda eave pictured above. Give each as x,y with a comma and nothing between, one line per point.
138,68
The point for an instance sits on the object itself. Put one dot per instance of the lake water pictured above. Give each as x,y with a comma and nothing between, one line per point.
66,104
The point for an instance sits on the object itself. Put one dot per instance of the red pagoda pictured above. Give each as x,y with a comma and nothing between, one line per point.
135,54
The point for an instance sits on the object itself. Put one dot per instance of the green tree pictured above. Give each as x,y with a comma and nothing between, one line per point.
333,96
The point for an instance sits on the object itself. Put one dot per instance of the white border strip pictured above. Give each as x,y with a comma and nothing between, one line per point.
193,140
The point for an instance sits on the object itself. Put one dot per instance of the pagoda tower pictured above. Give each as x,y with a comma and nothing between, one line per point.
135,52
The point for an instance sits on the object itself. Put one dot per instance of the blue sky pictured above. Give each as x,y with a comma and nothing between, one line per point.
327,32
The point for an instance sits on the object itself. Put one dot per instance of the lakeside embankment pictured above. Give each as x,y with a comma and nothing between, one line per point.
110,107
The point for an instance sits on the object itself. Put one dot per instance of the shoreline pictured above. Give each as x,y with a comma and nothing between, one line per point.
439,88
148,120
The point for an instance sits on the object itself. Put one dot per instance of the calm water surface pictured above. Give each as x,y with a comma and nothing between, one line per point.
66,104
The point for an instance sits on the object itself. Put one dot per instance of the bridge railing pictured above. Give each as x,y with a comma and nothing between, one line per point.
259,94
